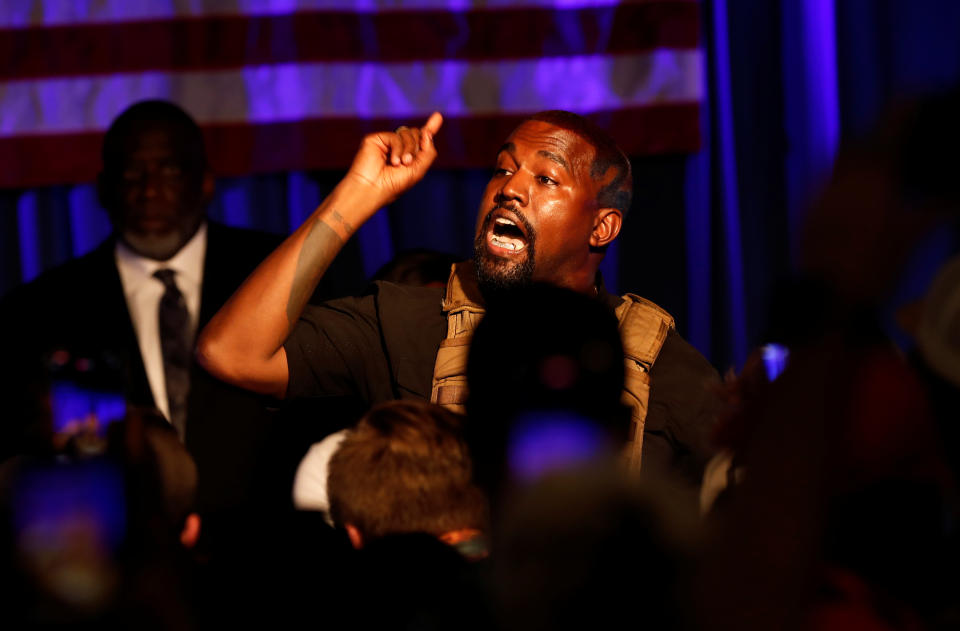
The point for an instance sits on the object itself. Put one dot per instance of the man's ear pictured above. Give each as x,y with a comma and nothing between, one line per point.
606,227
356,539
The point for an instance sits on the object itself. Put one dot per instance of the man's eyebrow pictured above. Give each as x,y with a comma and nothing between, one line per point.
549,155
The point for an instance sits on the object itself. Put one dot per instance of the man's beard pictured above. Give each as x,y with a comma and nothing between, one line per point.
160,247
496,275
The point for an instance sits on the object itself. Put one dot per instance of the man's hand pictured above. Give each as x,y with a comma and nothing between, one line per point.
243,343
390,163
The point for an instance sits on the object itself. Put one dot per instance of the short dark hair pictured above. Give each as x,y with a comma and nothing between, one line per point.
405,469
619,191
148,115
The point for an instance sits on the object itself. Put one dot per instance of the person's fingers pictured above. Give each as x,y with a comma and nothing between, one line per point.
411,143
429,129
405,145
395,143
433,124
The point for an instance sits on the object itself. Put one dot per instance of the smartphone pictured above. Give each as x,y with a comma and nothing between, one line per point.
775,359
74,405
85,391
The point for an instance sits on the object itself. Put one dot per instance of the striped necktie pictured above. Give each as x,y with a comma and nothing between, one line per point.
176,348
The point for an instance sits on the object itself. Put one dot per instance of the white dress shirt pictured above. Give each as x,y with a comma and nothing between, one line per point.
143,292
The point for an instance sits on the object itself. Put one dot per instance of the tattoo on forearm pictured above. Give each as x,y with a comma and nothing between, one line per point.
319,249
343,222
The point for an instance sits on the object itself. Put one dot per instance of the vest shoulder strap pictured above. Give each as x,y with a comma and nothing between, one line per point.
463,305
643,328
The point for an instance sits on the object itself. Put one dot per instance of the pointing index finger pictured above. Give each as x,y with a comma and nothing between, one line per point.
432,126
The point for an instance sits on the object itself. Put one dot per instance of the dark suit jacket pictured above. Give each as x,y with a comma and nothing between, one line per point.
80,306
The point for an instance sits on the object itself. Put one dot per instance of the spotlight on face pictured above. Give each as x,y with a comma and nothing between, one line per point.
537,215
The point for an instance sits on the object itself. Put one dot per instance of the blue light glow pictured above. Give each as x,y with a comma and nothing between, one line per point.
726,149
89,224
27,212
811,101
550,440
70,403
774,359
48,503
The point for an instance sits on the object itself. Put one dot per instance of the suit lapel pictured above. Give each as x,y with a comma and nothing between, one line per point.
114,322
216,286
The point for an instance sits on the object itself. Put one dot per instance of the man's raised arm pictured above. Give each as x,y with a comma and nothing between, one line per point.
243,343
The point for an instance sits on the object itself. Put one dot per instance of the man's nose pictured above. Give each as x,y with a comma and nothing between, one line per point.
151,183
513,189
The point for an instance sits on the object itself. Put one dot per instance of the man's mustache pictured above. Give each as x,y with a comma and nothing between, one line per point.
501,204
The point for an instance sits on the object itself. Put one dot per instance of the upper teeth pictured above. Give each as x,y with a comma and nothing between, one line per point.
503,221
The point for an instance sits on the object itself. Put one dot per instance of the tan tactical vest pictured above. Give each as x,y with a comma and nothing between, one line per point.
643,329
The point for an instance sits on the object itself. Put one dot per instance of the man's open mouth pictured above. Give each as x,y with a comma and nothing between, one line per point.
505,233
504,250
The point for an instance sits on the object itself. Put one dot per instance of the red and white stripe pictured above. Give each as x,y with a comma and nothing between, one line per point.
275,89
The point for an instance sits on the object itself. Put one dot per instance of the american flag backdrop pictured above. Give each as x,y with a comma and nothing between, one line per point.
294,84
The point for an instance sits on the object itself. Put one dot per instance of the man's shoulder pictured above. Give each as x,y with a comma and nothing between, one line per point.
82,273
679,368
680,355
78,304
413,325
682,409
232,254
408,297
99,258
382,341
394,305
259,242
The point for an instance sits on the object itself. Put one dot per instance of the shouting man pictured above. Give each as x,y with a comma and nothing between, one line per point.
556,200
